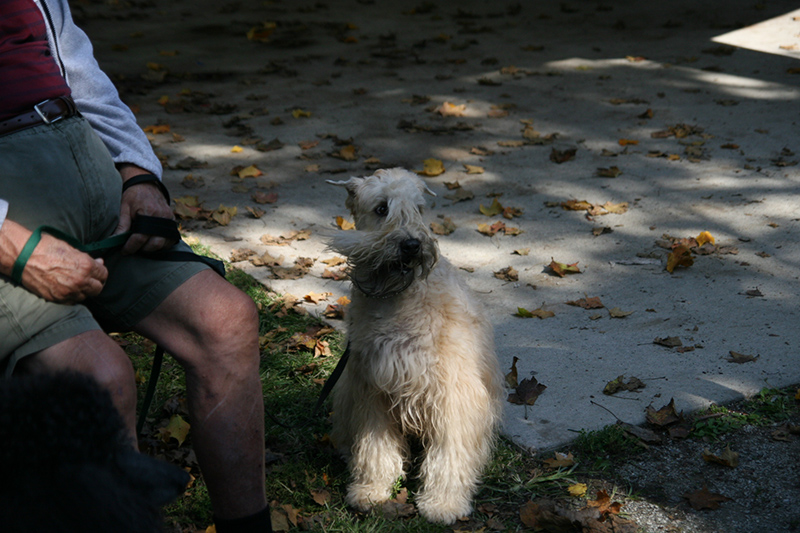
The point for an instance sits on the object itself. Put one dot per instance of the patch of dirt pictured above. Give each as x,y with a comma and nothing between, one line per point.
764,489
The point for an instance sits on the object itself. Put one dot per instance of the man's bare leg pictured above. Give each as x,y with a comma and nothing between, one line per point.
211,328
96,354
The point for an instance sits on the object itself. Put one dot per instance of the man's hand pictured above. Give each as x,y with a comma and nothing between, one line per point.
55,270
59,273
142,199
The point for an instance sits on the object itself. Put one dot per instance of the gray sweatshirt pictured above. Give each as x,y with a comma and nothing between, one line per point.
93,92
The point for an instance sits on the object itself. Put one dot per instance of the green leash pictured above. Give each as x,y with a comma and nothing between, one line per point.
161,227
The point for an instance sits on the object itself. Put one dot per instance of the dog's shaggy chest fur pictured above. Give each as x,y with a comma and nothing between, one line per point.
422,357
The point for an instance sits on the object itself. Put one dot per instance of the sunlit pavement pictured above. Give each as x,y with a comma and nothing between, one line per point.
663,114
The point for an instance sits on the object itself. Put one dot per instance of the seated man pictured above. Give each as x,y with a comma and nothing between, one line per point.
67,144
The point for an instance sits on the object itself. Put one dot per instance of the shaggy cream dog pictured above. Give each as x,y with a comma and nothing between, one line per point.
422,361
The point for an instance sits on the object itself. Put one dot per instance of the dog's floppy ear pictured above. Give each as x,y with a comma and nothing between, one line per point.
351,185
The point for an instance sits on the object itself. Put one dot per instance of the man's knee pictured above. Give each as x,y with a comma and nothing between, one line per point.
228,331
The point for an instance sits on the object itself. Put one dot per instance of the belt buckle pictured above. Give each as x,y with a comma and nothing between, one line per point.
44,116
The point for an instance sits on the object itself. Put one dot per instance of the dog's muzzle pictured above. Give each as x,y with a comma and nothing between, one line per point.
391,279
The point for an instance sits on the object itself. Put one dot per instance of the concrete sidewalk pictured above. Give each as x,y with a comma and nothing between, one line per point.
694,135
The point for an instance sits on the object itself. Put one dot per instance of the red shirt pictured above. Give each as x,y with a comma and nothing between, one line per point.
29,73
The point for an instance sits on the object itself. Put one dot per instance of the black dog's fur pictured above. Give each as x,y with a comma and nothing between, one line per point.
65,465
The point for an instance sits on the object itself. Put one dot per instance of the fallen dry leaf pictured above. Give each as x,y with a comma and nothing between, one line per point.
249,172
618,384
705,499
446,227
536,313
495,209
261,197
562,269
474,169
507,274
610,172
616,312
727,458
680,256
344,224
177,429
511,377
527,392
665,416
448,109
560,460
669,342
578,489
562,156
587,303
431,167
741,358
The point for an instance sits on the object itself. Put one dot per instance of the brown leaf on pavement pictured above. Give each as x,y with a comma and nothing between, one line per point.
562,269
527,392
587,303
562,156
741,358
665,416
619,383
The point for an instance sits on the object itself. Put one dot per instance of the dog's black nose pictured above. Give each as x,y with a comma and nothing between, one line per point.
410,247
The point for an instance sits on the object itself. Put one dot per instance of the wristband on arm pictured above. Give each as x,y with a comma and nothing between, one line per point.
146,178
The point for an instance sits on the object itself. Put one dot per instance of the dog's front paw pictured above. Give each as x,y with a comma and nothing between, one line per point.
442,510
364,497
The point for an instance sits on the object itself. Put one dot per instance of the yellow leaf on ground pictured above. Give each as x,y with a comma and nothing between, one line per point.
177,429
431,167
157,129
451,110
301,113
344,224
704,237
492,210
626,142
237,149
578,489
474,169
250,172
261,33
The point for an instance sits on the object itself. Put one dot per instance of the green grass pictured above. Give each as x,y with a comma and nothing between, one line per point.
603,448
769,406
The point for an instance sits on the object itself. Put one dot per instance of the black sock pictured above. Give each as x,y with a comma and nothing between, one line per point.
255,523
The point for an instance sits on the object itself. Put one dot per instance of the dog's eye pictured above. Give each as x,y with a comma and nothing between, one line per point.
382,210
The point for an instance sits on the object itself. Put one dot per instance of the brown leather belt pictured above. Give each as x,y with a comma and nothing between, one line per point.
45,112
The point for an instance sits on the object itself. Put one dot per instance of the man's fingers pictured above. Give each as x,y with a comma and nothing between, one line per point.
99,271
139,242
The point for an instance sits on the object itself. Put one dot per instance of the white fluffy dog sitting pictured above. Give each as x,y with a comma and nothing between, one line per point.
422,360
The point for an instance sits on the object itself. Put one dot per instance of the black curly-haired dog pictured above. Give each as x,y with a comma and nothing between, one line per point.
65,465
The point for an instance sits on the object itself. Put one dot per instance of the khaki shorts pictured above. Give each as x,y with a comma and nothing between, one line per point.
61,175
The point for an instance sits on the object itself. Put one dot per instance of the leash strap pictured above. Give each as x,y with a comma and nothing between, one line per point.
161,227
155,371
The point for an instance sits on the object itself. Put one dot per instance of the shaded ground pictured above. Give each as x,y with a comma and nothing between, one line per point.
702,137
